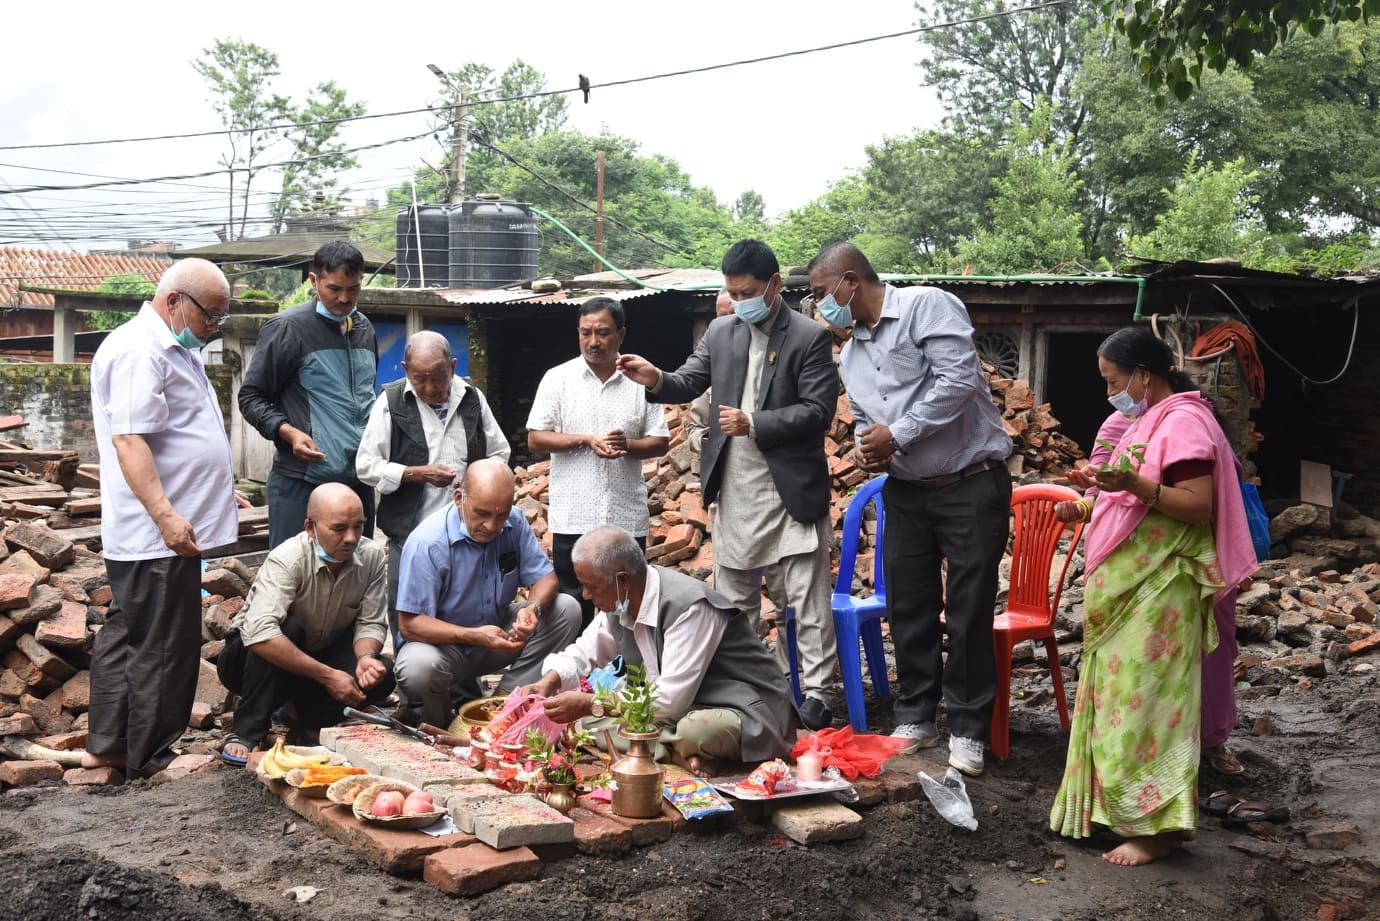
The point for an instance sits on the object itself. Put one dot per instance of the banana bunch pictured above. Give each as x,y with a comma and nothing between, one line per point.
278,761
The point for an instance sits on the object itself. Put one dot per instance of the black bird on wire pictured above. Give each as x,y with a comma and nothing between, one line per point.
584,86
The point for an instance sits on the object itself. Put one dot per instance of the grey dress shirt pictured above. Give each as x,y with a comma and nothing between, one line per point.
917,371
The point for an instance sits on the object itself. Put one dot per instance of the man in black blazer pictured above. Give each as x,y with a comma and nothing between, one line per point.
773,377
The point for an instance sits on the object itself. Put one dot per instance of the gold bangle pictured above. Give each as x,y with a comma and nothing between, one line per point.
1086,506
1155,499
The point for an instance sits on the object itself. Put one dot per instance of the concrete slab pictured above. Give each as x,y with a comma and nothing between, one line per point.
816,823
465,801
522,821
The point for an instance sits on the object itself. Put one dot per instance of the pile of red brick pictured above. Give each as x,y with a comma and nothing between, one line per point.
53,595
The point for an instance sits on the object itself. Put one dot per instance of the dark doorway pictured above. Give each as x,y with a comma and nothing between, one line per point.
1073,387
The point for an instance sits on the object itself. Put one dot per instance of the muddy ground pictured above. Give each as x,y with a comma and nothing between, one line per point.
217,845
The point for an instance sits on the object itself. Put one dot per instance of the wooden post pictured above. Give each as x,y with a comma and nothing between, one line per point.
599,214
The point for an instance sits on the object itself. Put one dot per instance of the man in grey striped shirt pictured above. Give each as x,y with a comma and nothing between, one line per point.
925,417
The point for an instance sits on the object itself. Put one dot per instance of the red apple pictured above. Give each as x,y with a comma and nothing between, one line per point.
387,804
418,803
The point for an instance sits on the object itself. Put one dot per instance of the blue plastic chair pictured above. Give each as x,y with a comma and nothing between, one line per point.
856,620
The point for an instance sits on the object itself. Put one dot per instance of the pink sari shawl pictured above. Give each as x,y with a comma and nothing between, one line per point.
1180,427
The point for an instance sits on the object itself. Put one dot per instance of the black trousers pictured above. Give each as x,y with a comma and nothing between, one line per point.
145,661
264,687
561,546
965,524
287,505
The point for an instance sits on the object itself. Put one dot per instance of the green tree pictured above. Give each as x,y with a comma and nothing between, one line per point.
239,76
1319,126
129,285
655,214
310,180
1173,44
1211,215
981,68
1136,150
1035,222
929,189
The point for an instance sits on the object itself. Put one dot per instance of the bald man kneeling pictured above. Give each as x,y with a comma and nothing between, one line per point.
461,570
309,635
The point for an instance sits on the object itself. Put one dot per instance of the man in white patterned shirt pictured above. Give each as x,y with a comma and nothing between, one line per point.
598,428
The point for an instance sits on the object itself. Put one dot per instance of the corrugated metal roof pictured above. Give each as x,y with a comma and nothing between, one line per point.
581,288
75,271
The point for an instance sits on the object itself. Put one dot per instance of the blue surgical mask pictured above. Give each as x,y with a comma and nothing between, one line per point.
835,314
1123,403
752,310
321,309
188,339
322,555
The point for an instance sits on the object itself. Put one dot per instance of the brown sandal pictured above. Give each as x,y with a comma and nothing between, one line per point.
1223,761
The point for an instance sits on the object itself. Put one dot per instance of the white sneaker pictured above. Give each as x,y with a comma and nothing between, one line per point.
966,755
917,736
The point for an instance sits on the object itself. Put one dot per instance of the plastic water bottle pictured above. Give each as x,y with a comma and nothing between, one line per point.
950,798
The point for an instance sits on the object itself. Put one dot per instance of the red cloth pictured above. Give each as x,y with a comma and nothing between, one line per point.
1217,338
854,755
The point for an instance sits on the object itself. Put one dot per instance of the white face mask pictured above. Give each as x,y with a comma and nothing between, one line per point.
1123,403
620,608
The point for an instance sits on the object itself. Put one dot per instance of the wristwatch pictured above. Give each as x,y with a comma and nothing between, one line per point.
896,446
596,709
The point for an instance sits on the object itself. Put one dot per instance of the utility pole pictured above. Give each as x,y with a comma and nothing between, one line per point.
599,214
459,139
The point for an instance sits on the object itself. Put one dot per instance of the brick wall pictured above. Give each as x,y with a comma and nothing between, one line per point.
55,400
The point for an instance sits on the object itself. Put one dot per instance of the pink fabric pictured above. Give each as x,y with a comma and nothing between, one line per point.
1219,675
1179,427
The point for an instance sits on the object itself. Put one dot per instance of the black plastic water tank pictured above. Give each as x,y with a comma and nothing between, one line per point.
492,244
430,266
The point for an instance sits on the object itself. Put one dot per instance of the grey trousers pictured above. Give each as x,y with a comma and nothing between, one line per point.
427,673
145,662
808,588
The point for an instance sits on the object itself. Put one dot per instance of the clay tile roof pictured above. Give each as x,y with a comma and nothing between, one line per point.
76,271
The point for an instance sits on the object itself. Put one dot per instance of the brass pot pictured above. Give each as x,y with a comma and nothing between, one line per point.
561,798
639,778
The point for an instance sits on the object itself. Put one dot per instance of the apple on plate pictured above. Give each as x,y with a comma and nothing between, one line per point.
387,804
419,803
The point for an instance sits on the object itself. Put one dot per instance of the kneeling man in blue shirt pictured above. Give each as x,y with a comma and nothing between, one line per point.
461,571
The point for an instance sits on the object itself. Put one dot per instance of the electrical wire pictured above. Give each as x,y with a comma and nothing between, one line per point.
572,196
215,172
1350,349
540,94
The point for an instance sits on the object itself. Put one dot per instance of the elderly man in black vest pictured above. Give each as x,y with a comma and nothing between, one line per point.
423,431
719,694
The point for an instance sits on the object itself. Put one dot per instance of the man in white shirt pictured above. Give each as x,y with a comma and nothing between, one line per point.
423,431
719,694
598,428
167,495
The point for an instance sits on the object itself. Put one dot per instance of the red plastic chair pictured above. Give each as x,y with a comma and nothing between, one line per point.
1030,607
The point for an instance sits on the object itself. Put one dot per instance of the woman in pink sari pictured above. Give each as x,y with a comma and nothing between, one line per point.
1219,666
1167,536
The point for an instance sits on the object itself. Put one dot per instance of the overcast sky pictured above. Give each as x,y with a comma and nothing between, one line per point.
84,70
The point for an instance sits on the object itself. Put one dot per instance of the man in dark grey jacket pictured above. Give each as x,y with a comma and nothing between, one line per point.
309,388
719,696
772,373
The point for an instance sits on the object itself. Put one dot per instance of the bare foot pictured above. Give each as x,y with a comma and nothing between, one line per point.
1135,852
697,765
190,763
115,759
